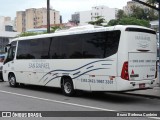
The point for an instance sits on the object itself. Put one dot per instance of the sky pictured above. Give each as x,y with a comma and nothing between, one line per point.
66,7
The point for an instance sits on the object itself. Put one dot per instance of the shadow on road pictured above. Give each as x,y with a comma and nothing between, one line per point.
98,96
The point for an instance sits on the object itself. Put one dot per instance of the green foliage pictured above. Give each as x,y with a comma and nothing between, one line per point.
146,14
129,21
99,20
139,16
152,2
120,14
113,22
53,29
27,34
133,21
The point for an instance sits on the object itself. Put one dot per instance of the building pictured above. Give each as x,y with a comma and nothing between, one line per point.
5,38
84,17
76,18
6,32
20,21
6,24
33,18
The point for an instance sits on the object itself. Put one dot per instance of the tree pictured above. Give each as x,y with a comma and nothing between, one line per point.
141,13
129,21
113,22
27,34
139,16
53,29
138,12
152,2
99,20
120,14
133,21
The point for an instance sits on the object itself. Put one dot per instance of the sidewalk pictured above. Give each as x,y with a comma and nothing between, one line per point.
154,93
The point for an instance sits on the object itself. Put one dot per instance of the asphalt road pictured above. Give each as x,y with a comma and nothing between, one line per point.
36,98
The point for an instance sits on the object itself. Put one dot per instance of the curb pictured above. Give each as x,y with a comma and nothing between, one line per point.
143,95
147,95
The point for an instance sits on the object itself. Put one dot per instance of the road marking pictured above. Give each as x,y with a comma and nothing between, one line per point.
56,101
66,103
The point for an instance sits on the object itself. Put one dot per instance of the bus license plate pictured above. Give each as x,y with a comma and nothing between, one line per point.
142,85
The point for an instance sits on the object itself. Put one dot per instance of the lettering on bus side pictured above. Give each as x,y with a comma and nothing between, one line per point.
142,37
97,81
39,65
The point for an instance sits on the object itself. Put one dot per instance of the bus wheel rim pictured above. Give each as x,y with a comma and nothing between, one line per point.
67,87
12,80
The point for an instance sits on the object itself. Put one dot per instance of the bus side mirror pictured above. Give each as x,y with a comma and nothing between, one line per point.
7,47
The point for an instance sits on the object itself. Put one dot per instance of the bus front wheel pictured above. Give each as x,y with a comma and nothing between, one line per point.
67,87
12,80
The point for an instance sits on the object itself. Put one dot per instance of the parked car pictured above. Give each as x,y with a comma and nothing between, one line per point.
2,57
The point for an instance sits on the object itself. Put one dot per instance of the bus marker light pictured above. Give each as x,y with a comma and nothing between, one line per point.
92,76
111,77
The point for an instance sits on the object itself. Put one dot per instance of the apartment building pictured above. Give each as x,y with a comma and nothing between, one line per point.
33,18
84,17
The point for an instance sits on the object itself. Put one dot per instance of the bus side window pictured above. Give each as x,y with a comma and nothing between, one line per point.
11,53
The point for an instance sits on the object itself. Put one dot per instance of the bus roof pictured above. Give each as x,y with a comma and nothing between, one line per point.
81,30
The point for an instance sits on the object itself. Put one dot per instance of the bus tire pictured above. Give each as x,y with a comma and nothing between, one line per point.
67,87
12,80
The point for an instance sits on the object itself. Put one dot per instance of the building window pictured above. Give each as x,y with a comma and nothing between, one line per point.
8,28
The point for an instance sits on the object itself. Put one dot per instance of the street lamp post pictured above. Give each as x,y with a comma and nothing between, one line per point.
159,39
48,16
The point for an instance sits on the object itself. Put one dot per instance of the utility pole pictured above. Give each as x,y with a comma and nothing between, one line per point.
48,16
159,41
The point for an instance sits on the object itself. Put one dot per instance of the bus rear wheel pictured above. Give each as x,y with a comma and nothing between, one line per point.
67,87
12,80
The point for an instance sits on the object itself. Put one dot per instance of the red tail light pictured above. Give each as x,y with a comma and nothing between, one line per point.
124,73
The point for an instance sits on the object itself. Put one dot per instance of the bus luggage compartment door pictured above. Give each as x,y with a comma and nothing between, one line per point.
142,66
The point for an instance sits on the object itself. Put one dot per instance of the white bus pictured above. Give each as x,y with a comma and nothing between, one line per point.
88,58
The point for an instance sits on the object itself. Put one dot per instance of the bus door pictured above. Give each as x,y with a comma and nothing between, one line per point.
35,72
34,77
21,70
